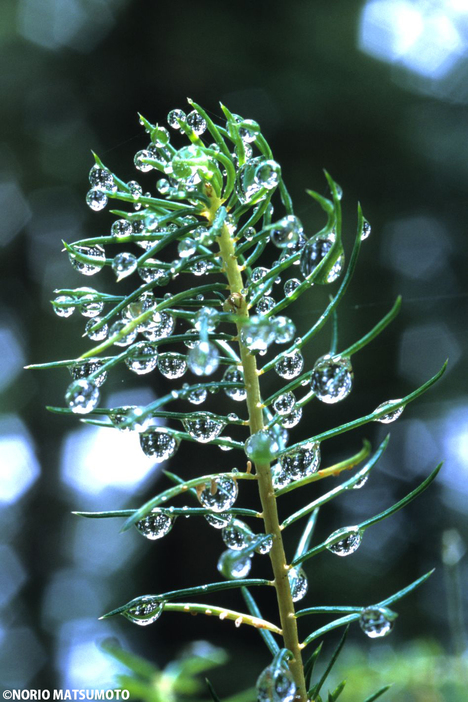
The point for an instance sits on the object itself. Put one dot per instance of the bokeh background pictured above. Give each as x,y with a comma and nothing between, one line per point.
376,92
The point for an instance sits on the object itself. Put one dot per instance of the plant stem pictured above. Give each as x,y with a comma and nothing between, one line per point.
267,496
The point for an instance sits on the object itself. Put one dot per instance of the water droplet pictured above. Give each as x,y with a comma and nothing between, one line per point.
392,416
290,286
125,340
159,444
206,319
96,199
154,272
265,546
302,462
261,447
255,178
96,252
315,251
61,308
234,565
249,130
285,403
172,365
237,535
142,358
376,621
135,189
186,248
82,396
288,421
89,306
175,115
265,304
332,379
199,267
219,495
102,179
203,359
234,375
286,232
196,122
280,478
348,544
258,274
122,227
290,365
84,370
119,416
204,428
218,521
155,525
366,230
284,329
124,264
298,583
140,163
98,335
146,611
361,482
197,397
258,333
162,325
276,684
160,136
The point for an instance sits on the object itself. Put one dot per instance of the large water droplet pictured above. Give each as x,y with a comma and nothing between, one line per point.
265,304
203,359
159,444
125,340
62,309
82,396
189,161
366,230
99,334
96,199
234,375
285,403
89,306
284,330
290,286
102,179
203,427
161,326
234,566
218,521
96,252
139,161
196,122
276,684
237,535
290,365
258,333
206,319
147,611
121,228
175,115
219,495
124,264
172,365
288,421
315,251
348,544
332,378
376,621
155,525
302,462
186,248
255,178
298,583
119,417
392,416
84,369
262,447
142,358
197,397
286,232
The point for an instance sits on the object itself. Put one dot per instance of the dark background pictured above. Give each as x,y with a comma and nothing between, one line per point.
377,99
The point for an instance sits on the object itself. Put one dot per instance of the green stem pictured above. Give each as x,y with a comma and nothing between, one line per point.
266,491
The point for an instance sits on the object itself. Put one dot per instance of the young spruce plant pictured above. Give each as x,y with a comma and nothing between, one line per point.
208,227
